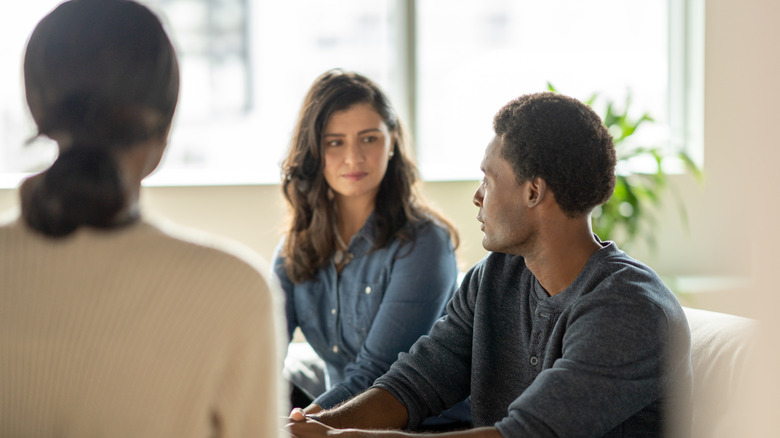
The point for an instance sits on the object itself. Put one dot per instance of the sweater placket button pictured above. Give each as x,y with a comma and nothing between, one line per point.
534,360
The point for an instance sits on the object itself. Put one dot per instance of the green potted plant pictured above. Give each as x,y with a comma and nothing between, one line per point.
629,215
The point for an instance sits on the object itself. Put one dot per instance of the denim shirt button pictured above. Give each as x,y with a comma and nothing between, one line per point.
368,289
333,311
335,348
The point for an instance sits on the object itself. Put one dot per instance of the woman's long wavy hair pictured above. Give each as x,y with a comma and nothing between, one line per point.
311,240
102,76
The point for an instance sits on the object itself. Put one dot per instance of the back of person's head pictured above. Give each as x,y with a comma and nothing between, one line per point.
562,141
100,76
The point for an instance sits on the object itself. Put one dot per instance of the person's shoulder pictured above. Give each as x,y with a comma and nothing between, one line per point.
206,250
620,265
621,278
208,265
430,228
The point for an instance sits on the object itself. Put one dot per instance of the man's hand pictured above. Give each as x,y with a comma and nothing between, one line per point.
312,409
308,426
373,409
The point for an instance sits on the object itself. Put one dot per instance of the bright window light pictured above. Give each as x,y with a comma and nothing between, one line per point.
449,66
474,58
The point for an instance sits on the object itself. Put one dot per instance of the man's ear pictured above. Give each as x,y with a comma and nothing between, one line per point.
537,190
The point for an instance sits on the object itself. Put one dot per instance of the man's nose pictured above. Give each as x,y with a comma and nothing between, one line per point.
477,198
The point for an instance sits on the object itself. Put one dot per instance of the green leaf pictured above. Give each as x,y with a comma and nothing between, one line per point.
690,166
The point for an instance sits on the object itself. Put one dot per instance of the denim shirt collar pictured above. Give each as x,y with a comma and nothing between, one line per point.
367,234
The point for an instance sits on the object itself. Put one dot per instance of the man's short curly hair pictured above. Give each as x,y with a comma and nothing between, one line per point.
562,141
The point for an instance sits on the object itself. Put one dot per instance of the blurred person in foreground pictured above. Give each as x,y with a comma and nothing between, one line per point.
110,324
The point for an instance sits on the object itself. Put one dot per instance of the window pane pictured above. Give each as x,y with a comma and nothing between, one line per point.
241,96
245,66
476,56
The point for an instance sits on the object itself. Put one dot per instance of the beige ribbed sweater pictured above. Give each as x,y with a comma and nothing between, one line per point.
136,333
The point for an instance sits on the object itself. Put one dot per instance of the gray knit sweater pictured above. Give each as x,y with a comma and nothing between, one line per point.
605,357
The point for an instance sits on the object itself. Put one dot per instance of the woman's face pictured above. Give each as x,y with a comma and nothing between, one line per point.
357,145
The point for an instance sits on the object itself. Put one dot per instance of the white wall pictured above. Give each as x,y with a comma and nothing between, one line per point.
742,95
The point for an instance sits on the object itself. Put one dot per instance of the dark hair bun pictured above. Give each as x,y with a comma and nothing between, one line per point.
82,187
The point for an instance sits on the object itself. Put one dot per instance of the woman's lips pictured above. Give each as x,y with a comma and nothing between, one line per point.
354,176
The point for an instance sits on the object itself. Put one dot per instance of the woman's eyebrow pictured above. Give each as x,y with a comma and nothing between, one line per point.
365,131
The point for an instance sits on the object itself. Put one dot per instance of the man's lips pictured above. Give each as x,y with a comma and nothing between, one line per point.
354,176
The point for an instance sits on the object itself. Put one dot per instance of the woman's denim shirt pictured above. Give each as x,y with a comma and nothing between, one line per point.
381,303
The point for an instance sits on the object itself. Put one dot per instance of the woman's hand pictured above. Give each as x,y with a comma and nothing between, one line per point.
297,414
306,426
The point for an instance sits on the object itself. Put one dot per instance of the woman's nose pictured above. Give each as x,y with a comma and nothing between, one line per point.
354,152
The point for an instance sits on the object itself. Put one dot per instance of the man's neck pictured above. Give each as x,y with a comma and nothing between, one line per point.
561,253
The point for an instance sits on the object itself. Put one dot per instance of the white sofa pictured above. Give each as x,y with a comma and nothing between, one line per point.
721,345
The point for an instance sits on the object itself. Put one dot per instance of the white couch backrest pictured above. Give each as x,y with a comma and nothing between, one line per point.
721,345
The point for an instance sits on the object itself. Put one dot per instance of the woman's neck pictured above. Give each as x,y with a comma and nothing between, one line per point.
352,213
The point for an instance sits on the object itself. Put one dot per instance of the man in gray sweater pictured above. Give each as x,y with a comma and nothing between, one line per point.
555,333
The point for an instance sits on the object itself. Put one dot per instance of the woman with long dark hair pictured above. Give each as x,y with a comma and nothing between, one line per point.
365,265
111,324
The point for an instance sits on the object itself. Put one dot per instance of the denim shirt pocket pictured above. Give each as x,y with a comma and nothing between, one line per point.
360,304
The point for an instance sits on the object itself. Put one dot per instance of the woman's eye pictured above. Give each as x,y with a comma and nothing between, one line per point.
333,143
369,139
